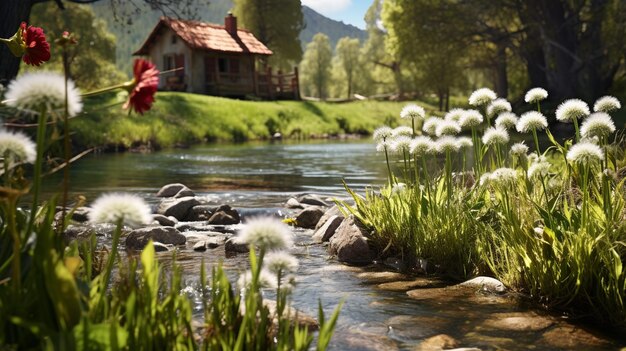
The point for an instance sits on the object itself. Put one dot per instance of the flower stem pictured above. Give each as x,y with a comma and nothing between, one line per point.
41,135
125,85
536,142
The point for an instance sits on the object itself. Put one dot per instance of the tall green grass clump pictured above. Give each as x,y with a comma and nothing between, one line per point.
547,222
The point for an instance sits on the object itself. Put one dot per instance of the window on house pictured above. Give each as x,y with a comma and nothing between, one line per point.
174,38
169,62
222,65
234,65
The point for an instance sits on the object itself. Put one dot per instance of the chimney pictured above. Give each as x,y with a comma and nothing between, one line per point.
230,22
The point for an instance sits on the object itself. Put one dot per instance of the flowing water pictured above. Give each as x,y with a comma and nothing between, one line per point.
375,315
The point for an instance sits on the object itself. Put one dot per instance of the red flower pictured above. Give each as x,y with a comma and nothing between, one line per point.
37,49
146,82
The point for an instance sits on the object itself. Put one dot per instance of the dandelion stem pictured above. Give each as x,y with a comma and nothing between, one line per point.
388,167
536,142
41,134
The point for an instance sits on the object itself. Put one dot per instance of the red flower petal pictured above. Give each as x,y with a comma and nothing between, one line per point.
37,48
146,83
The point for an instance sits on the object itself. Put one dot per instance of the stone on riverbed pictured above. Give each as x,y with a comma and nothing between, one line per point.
350,244
333,211
437,343
224,215
312,199
139,238
177,208
165,221
293,203
170,190
184,192
200,246
200,213
234,245
327,230
309,217
485,283
417,283
160,247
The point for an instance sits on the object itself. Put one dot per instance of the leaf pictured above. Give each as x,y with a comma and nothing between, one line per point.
100,336
63,291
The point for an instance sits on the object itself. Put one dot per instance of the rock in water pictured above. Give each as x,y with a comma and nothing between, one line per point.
309,217
170,190
333,211
200,213
327,230
159,247
224,215
139,238
350,244
200,246
177,208
312,199
184,192
165,221
234,245
293,203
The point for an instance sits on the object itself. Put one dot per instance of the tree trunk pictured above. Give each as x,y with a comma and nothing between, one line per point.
12,13
501,79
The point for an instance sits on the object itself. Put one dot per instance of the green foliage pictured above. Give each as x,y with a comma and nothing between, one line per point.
315,67
93,56
347,67
277,24
180,118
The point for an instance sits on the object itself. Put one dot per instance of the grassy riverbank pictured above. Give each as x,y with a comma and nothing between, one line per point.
183,119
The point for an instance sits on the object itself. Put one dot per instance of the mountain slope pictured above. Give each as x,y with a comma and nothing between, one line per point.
131,34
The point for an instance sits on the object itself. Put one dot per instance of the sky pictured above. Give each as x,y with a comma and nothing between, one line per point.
348,11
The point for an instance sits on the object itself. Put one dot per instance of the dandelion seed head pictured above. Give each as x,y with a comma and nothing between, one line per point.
539,169
482,96
485,178
495,136
17,147
266,233
446,144
572,109
402,130
519,149
607,104
398,188
447,128
32,91
401,144
421,146
506,120
503,176
280,261
383,146
430,125
471,118
454,115
382,133
585,152
413,111
464,142
531,120
598,124
266,280
130,209
535,95
498,106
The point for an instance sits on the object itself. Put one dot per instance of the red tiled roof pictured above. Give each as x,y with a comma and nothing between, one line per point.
206,36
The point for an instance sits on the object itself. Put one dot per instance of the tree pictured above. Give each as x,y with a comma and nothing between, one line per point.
13,12
315,66
92,59
277,24
347,63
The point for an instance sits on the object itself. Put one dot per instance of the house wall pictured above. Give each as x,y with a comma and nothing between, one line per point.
163,46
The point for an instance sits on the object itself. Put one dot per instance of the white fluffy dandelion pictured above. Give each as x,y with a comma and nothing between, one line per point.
266,233
266,280
17,147
519,149
485,178
398,188
402,130
607,104
421,145
32,91
413,111
447,128
382,133
530,121
535,95
383,146
482,97
585,152
498,106
598,124
430,125
280,261
401,144
130,209
495,136
464,142
506,120
503,176
539,169
454,115
572,109
445,144
471,118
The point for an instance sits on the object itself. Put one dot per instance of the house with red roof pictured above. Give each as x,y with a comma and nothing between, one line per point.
220,60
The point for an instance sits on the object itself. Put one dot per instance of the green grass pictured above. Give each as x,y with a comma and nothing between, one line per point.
180,118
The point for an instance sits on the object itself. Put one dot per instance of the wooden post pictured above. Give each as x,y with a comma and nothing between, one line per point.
270,86
217,76
296,91
255,78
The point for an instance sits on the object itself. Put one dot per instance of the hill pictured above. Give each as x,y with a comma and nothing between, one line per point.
132,33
